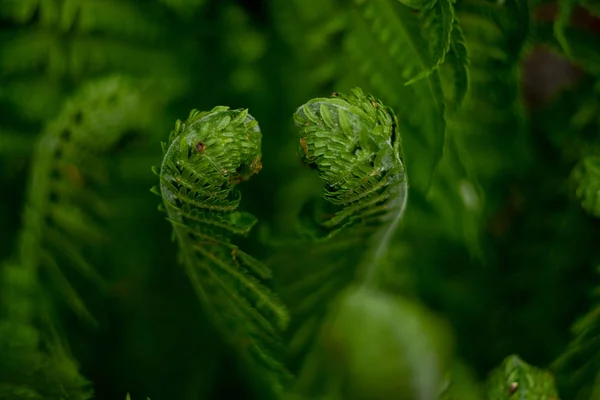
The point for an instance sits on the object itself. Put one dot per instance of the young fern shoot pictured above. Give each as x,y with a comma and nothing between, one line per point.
354,143
206,157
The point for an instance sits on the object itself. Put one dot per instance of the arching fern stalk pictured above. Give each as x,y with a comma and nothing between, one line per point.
206,157
337,280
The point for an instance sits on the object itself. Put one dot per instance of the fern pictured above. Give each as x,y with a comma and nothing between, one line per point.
64,206
336,276
438,22
395,39
60,221
206,157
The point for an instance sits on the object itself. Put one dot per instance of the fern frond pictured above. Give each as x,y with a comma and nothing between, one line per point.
64,208
206,157
458,60
354,142
514,378
395,42
496,35
438,22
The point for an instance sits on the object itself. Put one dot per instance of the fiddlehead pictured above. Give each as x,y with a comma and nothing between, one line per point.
339,276
206,157
354,143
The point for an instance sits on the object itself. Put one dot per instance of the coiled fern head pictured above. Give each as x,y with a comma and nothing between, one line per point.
354,143
224,144
347,136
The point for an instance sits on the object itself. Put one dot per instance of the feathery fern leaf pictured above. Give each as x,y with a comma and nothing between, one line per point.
64,208
206,157
353,141
496,35
395,42
438,22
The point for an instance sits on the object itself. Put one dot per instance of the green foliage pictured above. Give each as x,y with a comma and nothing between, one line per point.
393,245
61,224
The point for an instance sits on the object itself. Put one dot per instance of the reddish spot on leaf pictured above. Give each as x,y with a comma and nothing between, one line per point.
304,146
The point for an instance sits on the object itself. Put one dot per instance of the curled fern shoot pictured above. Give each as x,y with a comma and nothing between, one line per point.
206,157
354,143
338,277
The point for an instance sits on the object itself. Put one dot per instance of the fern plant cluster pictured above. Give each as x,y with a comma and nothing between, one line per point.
374,199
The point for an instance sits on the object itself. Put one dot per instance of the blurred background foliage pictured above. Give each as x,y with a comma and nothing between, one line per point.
502,239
